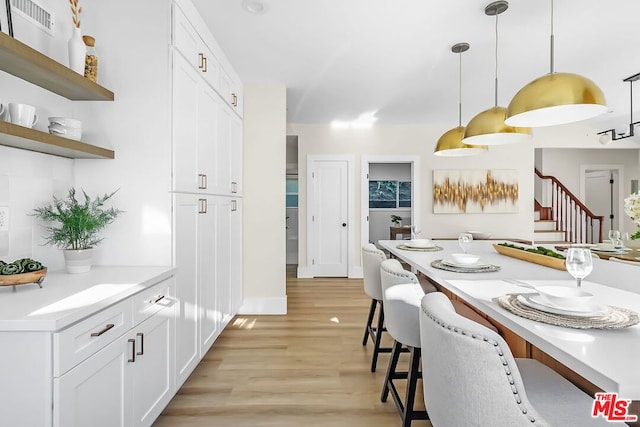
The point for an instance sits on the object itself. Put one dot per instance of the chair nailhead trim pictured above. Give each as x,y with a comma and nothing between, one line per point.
499,353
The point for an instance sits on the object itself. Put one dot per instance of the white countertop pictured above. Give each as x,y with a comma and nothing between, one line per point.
66,298
607,358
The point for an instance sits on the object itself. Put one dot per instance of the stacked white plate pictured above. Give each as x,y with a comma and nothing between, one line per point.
419,243
65,127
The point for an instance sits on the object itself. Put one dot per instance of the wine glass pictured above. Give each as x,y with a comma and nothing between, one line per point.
579,263
614,237
464,240
415,232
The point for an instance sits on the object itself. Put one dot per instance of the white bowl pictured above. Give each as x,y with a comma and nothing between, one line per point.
564,296
65,121
465,259
479,235
420,243
65,132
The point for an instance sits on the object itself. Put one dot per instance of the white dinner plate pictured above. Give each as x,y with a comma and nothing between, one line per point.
452,263
414,246
613,251
536,301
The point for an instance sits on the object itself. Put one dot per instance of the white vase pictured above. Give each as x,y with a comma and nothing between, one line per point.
78,261
77,51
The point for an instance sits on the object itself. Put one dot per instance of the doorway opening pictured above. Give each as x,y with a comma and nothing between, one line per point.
389,187
601,192
292,205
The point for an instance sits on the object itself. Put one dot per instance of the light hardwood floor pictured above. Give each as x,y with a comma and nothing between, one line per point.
307,368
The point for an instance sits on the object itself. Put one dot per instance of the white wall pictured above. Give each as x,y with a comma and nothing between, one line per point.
264,199
417,140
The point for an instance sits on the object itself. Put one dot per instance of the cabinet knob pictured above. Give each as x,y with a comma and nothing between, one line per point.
204,64
200,60
202,181
234,100
234,187
133,350
234,206
202,208
141,352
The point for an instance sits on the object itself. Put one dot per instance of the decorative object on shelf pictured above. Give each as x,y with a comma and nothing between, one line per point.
488,127
450,143
21,272
76,226
23,115
91,59
632,209
397,220
65,127
6,23
555,98
475,191
610,134
77,48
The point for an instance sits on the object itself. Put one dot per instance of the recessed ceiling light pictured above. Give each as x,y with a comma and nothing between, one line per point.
257,7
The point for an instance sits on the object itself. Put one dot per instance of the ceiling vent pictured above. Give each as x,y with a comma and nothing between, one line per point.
35,13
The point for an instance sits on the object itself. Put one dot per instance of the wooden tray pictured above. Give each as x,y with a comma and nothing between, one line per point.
23,278
547,261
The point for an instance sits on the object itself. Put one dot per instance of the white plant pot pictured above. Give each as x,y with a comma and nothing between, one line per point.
78,261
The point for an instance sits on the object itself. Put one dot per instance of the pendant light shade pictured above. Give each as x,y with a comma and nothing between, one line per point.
488,127
555,99
450,143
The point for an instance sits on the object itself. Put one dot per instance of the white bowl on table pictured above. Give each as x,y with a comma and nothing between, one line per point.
420,243
465,259
479,235
564,296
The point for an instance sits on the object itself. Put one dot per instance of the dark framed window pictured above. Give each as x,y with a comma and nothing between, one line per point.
389,194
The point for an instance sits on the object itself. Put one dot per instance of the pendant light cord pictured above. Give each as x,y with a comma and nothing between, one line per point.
552,47
495,94
459,89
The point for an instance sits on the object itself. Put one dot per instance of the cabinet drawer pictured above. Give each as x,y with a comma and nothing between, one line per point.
152,300
74,344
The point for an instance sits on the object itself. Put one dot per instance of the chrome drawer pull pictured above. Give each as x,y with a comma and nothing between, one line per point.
133,350
155,301
106,328
141,352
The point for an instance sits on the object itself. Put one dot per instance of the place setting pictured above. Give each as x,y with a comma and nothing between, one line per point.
567,306
418,244
464,262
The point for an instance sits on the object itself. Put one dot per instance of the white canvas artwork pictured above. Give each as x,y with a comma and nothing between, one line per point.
475,191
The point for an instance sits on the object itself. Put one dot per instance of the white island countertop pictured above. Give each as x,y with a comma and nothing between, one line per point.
67,298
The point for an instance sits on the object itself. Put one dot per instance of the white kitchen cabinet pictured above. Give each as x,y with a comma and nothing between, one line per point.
231,92
129,381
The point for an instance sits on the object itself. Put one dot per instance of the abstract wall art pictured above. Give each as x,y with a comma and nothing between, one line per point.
475,191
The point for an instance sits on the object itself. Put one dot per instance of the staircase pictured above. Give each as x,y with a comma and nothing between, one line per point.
567,219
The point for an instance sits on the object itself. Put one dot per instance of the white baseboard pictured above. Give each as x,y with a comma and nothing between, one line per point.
259,306
305,273
355,272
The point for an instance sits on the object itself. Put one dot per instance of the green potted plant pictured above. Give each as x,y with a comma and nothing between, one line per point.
73,226
396,220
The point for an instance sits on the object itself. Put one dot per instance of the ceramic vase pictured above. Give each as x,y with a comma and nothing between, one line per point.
78,261
77,51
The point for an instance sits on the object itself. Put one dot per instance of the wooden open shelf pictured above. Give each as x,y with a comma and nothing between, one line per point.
28,64
34,140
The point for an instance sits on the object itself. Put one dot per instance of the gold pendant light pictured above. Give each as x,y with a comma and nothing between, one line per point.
555,99
488,127
450,143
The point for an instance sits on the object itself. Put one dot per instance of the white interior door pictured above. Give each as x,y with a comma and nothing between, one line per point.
329,218
601,195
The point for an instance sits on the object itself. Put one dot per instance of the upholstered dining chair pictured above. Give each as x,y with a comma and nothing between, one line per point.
472,379
372,257
401,296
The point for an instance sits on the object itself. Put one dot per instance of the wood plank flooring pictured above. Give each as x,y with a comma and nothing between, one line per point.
307,368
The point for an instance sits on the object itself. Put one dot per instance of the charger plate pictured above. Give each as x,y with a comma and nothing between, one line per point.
613,318
444,265
415,248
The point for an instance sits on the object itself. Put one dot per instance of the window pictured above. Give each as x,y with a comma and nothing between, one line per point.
389,194
292,192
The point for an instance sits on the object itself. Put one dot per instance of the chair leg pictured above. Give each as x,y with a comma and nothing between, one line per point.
391,371
372,311
378,339
414,374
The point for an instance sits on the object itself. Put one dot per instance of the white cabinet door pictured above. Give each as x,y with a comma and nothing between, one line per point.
223,259
186,260
235,252
236,142
207,138
208,249
151,376
186,89
95,392
223,153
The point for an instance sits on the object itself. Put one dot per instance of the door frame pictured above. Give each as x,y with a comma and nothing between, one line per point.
364,189
621,192
311,159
